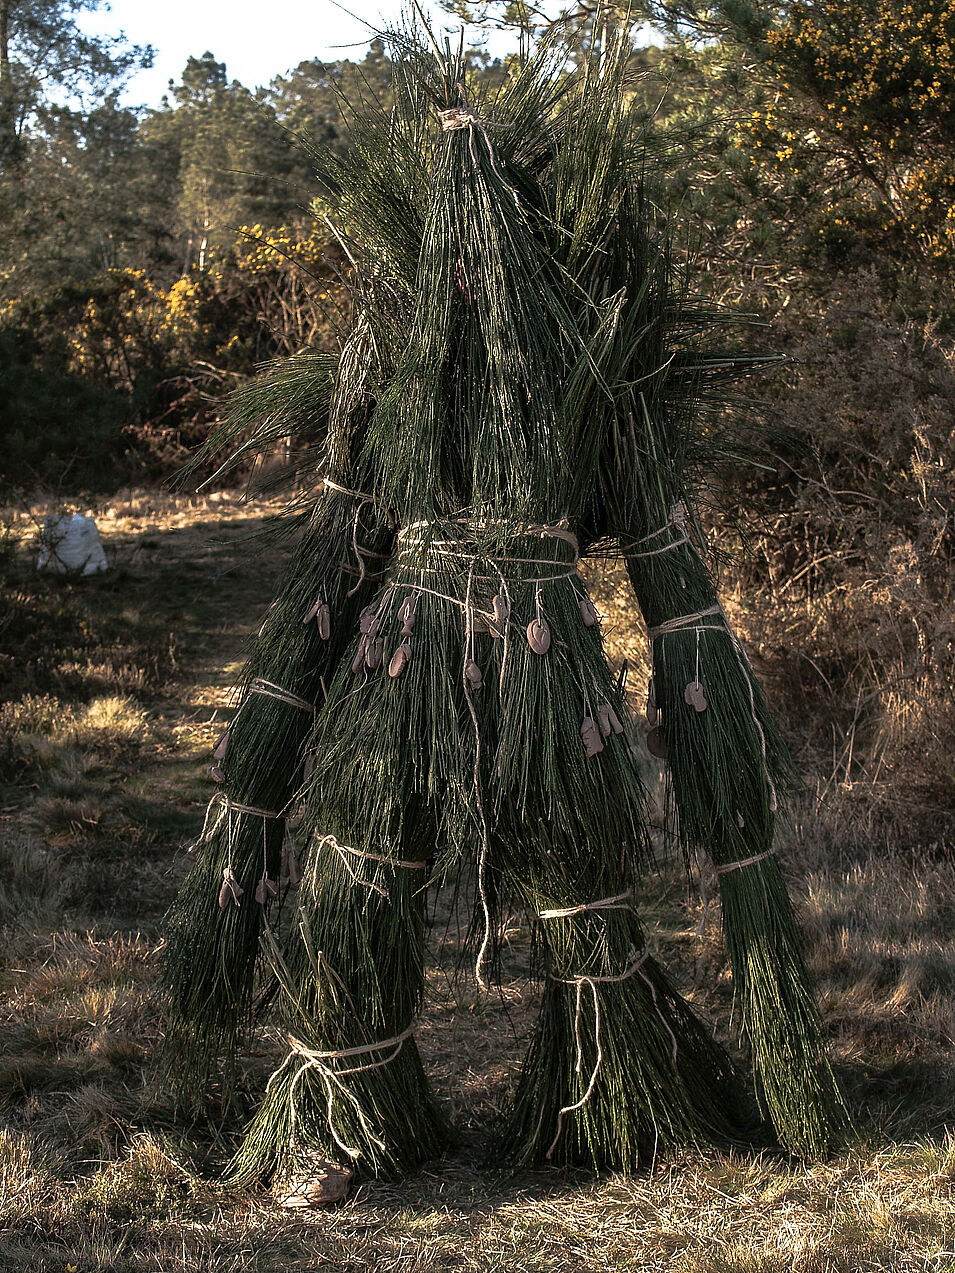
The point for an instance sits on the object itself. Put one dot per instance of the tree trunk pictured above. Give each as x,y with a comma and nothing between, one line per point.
9,141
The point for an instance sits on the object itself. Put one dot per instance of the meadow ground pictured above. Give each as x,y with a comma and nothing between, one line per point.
111,692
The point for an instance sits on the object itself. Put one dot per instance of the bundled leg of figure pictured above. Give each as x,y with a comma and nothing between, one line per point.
351,1085
619,1067
351,972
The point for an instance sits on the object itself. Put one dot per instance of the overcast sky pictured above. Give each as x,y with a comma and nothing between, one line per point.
256,41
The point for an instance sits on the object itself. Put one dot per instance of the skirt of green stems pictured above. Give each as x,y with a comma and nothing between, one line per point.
613,1040
726,764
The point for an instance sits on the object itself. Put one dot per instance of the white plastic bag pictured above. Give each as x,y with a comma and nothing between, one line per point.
71,546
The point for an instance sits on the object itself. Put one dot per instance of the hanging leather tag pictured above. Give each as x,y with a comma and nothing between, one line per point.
590,735
694,697
588,611
266,890
291,870
538,636
400,659
231,889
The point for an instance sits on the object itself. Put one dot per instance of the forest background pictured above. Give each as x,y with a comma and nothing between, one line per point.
152,259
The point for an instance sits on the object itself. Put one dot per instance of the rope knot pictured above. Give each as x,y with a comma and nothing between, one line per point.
456,119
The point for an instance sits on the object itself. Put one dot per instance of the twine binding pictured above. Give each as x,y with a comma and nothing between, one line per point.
313,1059
456,119
617,903
343,849
592,983
345,490
725,867
677,521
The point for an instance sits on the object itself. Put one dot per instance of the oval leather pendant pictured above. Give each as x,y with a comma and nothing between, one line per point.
400,659
538,636
590,735
358,662
588,612
266,890
374,652
324,621
656,744
694,697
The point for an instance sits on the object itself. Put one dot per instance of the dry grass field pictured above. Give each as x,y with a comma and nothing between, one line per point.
111,692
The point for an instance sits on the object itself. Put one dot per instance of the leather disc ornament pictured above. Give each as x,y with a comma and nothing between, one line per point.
400,659
591,737
538,636
656,744
693,696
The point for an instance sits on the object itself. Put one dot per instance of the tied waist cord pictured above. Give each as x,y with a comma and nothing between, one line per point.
677,522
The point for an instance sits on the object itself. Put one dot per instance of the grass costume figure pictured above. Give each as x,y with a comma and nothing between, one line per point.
519,386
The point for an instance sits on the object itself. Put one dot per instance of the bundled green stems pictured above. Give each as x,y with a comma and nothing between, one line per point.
728,769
